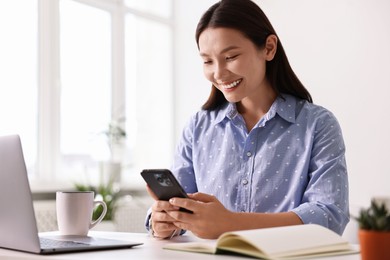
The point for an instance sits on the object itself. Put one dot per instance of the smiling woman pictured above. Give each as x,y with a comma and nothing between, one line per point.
260,153
233,69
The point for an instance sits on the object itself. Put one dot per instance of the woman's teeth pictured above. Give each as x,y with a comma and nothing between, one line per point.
231,85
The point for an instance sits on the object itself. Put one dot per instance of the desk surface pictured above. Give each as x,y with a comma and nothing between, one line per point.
151,249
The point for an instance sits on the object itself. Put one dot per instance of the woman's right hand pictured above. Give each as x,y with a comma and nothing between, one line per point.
162,223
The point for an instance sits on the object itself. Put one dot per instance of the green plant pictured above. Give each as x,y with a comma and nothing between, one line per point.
107,188
375,218
108,195
115,132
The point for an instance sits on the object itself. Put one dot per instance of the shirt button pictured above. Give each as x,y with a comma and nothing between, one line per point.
244,182
249,154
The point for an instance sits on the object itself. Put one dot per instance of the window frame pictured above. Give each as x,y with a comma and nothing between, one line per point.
49,80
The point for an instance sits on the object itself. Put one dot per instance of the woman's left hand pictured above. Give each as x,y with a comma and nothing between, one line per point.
209,218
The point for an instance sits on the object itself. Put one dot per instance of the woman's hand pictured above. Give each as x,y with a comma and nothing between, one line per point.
209,218
162,223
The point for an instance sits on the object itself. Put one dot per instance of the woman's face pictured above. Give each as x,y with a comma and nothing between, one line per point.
234,65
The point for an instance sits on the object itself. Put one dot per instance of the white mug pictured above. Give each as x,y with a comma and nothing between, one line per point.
74,212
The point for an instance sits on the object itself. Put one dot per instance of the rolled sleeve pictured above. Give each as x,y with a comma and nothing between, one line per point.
325,201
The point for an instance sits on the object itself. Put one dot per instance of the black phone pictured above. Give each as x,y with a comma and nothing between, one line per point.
164,184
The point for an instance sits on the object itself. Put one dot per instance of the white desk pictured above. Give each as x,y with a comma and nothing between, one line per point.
151,249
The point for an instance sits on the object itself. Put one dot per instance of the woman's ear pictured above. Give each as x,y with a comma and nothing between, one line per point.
270,47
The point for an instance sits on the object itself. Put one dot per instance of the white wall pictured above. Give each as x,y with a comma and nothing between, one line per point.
340,49
191,87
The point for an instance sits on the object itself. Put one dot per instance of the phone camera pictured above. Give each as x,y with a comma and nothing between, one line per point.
160,179
163,179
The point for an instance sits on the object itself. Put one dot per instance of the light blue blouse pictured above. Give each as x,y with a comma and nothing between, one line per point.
292,160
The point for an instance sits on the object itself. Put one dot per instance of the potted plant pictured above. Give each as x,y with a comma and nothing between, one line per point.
374,232
107,194
116,136
108,186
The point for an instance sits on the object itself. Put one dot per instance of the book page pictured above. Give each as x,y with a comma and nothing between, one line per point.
242,247
207,246
288,240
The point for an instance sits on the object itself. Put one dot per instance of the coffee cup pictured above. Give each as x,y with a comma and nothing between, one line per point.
74,212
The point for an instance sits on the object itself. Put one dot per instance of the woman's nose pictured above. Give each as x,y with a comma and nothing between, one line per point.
220,71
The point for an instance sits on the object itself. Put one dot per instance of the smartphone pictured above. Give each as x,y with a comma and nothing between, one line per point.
164,184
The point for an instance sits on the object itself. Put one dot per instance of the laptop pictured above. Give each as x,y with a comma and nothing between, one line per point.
18,228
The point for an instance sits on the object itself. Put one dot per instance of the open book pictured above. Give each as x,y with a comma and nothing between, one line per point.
289,242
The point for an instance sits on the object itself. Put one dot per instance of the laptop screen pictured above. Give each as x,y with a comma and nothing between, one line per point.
17,225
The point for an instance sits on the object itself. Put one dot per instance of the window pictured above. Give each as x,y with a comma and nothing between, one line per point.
148,85
85,72
74,67
18,81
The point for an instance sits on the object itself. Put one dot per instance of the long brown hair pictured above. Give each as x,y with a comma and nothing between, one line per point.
247,17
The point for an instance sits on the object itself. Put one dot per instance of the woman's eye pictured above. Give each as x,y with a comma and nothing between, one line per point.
207,62
231,57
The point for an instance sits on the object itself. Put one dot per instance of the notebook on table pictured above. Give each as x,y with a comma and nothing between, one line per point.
17,218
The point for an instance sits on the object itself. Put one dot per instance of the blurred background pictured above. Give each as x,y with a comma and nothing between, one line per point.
96,85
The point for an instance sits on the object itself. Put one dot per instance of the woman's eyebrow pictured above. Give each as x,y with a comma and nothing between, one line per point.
233,47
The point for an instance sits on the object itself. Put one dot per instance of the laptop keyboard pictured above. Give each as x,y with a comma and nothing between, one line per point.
52,243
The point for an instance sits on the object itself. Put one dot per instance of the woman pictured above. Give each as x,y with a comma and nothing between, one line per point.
259,153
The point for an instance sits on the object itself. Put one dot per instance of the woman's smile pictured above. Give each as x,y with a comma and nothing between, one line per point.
229,86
